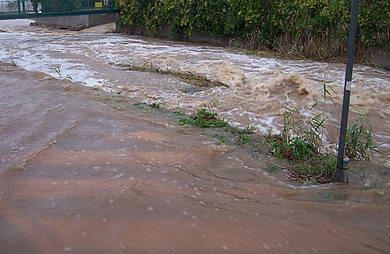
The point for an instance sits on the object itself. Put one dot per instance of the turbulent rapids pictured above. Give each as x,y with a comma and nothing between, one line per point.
253,90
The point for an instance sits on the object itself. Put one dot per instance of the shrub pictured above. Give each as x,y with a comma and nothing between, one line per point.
309,27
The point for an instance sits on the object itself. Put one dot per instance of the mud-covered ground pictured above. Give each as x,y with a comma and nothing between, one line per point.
82,171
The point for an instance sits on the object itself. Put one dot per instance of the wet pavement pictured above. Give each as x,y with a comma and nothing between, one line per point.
81,176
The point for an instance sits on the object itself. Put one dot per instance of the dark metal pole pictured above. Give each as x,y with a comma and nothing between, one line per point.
342,170
19,7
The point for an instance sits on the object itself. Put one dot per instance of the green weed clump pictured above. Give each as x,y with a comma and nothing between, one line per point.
359,140
299,140
301,143
204,119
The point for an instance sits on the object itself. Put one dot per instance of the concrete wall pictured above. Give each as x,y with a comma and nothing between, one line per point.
77,22
166,33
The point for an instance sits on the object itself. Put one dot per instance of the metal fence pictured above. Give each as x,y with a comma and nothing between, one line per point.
36,8
14,6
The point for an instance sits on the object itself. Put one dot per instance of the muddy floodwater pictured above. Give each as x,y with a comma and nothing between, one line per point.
254,91
85,171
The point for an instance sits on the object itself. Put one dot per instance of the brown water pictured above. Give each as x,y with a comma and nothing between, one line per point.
258,89
81,176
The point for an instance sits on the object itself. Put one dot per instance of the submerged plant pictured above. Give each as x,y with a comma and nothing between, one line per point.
155,105
147,107
318,169
299,139
204,119
359,139
301,143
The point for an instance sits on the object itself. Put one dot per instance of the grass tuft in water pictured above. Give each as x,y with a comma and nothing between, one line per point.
301,143
223,139
272,168
300,139
155,105
146,106
359,139
204,119
317,169
246,135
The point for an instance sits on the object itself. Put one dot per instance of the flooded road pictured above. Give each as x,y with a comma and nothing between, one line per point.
255,91
82,171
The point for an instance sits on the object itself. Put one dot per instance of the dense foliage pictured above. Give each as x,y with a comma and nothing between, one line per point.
299,25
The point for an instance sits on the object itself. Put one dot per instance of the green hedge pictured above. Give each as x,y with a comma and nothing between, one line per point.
265,23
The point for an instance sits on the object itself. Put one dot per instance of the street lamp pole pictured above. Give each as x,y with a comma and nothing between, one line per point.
342,170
